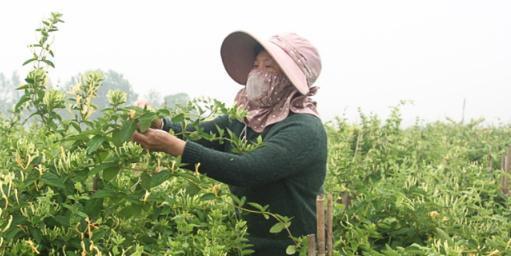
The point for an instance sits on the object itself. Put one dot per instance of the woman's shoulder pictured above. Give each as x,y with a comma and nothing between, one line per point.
301,130
303,118
302,121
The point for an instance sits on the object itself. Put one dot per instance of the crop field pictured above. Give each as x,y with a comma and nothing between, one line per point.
73,185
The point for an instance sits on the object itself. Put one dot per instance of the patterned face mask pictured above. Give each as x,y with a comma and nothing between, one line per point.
269,106
263,88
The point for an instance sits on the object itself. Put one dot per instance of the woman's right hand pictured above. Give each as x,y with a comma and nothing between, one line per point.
155,124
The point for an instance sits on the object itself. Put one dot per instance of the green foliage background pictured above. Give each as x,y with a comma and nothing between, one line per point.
425,190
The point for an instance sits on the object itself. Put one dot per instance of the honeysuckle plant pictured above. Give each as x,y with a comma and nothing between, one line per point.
78,186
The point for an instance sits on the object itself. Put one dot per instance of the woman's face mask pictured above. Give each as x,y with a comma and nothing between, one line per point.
263,87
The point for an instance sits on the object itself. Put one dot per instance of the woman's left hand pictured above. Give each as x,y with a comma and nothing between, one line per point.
159,140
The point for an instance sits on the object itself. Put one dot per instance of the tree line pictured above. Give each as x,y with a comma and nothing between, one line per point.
9,94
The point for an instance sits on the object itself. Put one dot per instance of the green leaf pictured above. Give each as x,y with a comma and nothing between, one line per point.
238,201
124,133
22,87
94,143
99,234
110,173
208,196
11,233
76,126
62,220
163,112
103,166
277,228
79,213
192,189
291,249
49,63
178,118
29,60
22,101
144,122
36,234
257,206
102,193
132,210
159,178
145,181
442,234
53,180
247,252
93,207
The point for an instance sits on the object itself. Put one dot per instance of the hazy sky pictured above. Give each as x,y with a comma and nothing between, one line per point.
374,53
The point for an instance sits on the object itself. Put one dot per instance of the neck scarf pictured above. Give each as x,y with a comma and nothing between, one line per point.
269,97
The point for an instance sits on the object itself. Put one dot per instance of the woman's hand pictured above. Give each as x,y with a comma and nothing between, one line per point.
160,141
157,123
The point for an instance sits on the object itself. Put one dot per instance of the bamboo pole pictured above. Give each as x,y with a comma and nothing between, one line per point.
311,245
320,215
502,163
504,181
490,160
346,199
95,183
329,225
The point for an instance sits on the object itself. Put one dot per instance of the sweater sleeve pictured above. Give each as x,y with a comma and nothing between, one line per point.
209,127
292,145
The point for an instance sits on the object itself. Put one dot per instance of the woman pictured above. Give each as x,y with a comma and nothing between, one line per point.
288,171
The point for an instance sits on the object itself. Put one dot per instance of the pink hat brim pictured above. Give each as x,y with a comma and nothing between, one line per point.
238,53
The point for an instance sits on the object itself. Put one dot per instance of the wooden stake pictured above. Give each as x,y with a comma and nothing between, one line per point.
95,183
311,245
508,170
320,215
490,161
346,199
504,181
329,224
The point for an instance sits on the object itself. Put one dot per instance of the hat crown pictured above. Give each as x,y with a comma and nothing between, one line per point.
303,53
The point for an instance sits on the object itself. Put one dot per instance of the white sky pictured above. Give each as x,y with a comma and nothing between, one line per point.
374,53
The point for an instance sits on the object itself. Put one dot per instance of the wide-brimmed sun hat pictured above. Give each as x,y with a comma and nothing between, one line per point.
295,55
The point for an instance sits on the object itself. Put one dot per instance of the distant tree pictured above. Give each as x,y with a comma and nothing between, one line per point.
170,101
15,82
112,80
8,93
154,98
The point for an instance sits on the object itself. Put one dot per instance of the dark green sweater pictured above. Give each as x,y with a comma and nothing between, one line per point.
286,173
